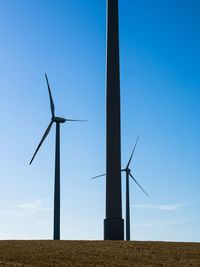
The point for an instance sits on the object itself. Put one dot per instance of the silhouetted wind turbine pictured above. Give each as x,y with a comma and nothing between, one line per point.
128,174
57,120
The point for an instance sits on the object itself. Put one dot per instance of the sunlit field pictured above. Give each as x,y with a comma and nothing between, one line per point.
98,253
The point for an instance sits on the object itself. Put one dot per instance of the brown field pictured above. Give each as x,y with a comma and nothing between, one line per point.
98,253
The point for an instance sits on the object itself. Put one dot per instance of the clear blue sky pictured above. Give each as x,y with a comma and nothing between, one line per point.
160,100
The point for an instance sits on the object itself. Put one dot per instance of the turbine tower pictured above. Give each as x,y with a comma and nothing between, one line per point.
57,120
113,223
128,175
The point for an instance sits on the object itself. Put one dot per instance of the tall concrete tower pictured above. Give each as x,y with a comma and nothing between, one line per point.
113,224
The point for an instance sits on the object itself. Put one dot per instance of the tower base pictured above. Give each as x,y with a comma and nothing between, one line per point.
114,229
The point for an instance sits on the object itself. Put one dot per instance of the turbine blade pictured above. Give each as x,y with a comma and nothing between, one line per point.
132,153
50,97
123,170
74,120
42,140
98,176
139,185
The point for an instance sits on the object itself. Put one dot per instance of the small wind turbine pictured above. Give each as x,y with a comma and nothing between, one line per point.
57,120
128,174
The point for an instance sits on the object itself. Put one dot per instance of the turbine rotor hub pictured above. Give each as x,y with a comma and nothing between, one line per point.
58,119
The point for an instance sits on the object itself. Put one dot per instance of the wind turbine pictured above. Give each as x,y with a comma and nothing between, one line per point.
57,120
128,175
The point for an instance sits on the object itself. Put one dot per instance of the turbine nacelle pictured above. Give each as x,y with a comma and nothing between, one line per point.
127,170
58,119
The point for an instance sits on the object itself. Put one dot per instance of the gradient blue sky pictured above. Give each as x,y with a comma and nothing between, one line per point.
160,96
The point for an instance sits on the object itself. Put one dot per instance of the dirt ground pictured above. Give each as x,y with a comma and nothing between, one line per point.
98,253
